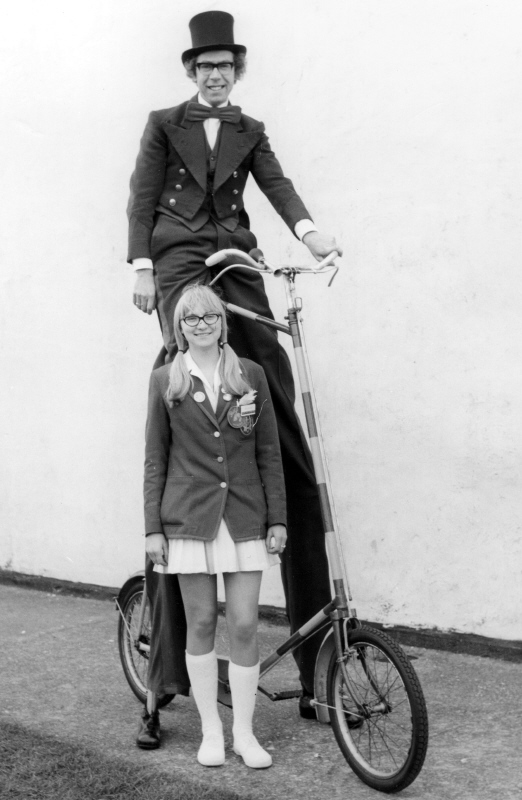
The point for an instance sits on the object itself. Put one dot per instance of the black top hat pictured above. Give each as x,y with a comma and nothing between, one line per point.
212,30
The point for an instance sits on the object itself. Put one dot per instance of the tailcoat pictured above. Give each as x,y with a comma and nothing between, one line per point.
186,203
171,177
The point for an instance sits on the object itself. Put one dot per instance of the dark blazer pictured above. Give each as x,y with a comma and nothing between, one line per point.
198,468
171,176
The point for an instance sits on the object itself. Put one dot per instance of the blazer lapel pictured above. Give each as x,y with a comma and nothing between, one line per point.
234,146
204,405
223,406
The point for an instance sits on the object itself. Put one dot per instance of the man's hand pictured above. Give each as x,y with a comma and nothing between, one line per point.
144,296
276,539
157,548
321,244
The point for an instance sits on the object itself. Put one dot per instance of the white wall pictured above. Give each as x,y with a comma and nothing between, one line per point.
400,123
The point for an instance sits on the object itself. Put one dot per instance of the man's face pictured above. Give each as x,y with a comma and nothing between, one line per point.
215,86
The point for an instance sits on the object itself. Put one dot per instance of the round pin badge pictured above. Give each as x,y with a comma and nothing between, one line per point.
199,397
227,396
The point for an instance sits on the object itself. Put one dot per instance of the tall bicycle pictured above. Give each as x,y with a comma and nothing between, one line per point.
365,685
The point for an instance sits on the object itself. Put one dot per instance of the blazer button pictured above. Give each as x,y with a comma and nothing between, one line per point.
172,202
182,171
217,434
234,174
235,191
223,485
220,459
179,187
233,207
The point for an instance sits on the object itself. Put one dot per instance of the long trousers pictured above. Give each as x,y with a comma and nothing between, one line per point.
179,260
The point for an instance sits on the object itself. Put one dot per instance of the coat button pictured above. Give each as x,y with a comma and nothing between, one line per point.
217,434
234,174
223,485
235,191
172,202
220,459
179,187
182,171
233,207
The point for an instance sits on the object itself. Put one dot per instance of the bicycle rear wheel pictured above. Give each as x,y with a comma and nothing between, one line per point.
134,644
381,688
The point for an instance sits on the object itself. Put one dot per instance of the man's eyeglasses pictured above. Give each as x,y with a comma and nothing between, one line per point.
193,320
206,67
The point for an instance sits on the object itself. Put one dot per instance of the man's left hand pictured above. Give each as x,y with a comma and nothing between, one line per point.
321,244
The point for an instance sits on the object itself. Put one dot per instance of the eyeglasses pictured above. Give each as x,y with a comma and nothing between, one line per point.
206,67
193,320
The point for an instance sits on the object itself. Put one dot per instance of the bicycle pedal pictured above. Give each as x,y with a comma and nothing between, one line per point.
286,694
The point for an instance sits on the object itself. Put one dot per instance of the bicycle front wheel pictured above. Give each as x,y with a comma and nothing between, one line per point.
377,711
134,644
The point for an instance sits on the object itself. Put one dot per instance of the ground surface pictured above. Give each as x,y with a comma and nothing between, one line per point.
61,676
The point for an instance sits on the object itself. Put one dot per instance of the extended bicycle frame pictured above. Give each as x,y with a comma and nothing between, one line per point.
338,611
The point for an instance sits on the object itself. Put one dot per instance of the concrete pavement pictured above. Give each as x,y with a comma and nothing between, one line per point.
61,675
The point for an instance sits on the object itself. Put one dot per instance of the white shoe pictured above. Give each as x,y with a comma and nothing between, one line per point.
212,750
252,753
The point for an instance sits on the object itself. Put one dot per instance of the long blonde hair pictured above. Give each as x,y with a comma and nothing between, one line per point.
180,379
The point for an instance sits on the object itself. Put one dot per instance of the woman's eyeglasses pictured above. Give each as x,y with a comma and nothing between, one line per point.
193,320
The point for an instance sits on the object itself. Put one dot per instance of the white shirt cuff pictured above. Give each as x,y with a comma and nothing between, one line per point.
142,263
303,227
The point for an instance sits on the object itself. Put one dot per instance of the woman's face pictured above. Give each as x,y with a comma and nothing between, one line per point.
205,334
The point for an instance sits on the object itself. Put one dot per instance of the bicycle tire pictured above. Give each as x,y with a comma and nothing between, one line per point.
135,662
388,749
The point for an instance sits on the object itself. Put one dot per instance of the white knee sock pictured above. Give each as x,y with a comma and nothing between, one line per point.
203,674
243,687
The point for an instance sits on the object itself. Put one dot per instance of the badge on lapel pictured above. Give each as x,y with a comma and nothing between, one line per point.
242,414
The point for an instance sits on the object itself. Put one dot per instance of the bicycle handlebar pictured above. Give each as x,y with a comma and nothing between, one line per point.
262,266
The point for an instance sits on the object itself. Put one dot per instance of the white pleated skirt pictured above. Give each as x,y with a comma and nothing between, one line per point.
222,554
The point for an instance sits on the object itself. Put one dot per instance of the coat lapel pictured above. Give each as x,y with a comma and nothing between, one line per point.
189,141
234,146
204,406
223,406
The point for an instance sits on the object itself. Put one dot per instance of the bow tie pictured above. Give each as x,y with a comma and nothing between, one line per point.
196,113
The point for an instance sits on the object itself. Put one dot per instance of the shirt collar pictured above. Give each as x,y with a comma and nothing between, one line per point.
195,370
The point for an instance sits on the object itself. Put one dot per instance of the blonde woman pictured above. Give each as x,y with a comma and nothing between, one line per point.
214,503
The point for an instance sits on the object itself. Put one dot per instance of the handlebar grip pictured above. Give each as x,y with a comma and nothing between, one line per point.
256,254
328,260
216,258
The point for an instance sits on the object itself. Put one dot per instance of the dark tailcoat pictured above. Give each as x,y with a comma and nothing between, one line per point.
171,176
187,202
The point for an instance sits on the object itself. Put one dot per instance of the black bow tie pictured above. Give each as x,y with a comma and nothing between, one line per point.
196,113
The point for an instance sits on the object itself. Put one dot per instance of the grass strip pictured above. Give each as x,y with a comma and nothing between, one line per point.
38,767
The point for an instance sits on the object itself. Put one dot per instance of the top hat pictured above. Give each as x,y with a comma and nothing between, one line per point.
212,30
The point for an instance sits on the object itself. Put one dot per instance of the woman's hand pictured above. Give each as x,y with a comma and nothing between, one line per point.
276,539
157,548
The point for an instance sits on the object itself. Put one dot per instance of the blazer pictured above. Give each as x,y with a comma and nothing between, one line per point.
171,176
198,468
